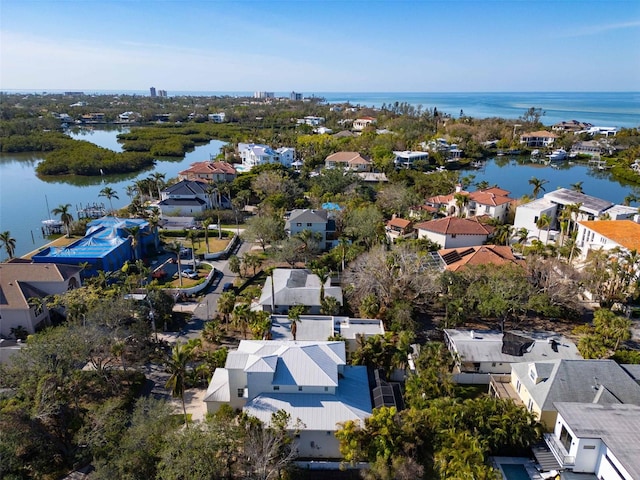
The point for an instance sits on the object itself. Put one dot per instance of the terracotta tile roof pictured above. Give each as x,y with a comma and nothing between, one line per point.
210,168
456,226
489,198
399,222
457,258
501,192
347,157
540,133
625,233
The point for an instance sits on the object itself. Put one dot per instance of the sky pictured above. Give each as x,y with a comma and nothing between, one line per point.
320,46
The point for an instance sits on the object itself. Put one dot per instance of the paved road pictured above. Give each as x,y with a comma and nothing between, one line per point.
207,308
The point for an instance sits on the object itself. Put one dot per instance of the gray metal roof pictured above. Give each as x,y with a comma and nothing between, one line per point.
310,327
307,215
578,381
618,426
319,411
186,187
297,287
486,346
564,196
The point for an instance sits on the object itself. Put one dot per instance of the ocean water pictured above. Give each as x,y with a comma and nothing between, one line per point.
615,109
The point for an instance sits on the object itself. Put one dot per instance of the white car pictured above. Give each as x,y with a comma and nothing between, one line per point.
189,273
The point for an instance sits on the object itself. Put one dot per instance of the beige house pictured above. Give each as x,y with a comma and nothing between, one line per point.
541,138
360,124
20,282
349,161
539,385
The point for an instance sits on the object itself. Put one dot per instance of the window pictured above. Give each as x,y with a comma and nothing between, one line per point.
518,385
298,224
328,432
240,392
589,447
530,405
299,389
309,224
565,438
276,387
326,389
532,374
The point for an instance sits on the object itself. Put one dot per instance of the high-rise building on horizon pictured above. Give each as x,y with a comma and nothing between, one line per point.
263,95
295,96
153,91
162,93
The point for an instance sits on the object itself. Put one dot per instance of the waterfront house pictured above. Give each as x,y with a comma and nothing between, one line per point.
479,353
570,126
591,148
295,287
539,384
349,161
253,154
107,245
187,198
493,202
553,204
129,117
208,171
308,379
452,232
596,441
317,221
407,159
537,139
459,258
217,117
399,228
360,124
20,282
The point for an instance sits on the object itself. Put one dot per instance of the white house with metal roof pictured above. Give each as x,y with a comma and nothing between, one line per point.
308,380
253,154
602,440
317,221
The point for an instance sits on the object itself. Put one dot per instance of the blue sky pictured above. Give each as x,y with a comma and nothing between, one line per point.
321,46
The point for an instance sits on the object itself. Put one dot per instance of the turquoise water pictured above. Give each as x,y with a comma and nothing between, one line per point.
514,471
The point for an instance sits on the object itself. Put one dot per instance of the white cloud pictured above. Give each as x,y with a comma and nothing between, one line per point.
597,29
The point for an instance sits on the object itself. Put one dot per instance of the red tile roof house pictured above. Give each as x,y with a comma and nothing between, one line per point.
459,258
538,139
493,202
209,172
348,160
453,232
399,228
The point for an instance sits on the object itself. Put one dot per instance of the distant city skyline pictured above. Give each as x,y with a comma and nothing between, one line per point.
310,46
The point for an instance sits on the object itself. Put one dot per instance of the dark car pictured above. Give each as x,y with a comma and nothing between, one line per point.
227,287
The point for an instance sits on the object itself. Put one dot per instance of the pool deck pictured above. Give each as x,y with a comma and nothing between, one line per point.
527,463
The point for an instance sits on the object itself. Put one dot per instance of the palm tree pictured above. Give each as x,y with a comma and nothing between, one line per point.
502,234
8,242
577,187
522,234
109,193
544,222
631,198
323,275
207,221
538,184
134,235
154,222
226,304
65,216
294,316
132,191
192,236
177,366
157,179
241,317
462,200
574,210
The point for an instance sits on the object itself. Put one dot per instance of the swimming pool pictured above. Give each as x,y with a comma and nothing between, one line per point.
514,471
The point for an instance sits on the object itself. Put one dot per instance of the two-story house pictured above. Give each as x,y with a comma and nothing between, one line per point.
360,124
598,439
608,235
317,221
20,282
187,198
540,138
253,154
399,228
493,202
407,159
308,380
211,172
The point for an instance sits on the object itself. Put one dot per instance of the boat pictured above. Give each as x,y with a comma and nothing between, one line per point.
557,155
535,153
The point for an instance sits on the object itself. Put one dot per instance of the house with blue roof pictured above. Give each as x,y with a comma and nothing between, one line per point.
309,380
108,243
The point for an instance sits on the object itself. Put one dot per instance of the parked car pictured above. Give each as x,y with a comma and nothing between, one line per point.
189,273
227,287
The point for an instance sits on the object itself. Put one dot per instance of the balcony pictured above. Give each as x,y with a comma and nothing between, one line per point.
559,451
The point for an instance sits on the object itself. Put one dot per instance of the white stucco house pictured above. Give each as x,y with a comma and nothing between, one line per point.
360,124
453,232
19,282
308,380
602,440
493,202
253,154
607,235
406,159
